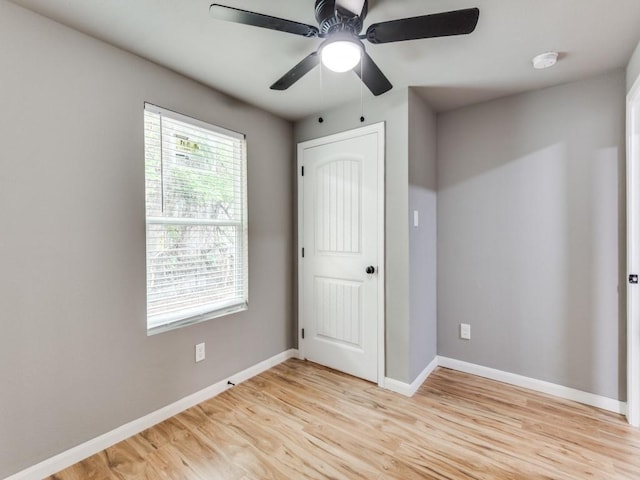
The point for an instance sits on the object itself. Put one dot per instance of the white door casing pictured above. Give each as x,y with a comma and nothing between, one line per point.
633,254
341,229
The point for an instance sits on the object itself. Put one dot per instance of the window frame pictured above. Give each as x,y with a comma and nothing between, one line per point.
196,314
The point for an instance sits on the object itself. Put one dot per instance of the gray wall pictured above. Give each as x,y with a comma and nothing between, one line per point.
422,239
392,109
75,359
531,234
633,68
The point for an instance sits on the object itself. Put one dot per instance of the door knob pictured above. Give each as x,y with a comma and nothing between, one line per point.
371,269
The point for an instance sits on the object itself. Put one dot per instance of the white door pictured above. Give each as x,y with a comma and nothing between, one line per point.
341,216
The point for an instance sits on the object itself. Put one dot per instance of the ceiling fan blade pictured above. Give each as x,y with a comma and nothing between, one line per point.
296,73
457,22
230,14
372,76
354,6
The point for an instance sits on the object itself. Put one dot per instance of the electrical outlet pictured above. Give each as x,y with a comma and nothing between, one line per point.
465,331
200,352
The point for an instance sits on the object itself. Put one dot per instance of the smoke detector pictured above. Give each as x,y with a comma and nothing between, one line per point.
545,60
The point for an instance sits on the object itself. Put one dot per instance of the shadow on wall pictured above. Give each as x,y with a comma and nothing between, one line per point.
595,258
531,209
447,98
496,134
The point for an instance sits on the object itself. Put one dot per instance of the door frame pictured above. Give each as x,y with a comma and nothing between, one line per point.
633,254
379,129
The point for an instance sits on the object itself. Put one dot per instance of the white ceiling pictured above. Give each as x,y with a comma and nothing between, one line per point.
592,35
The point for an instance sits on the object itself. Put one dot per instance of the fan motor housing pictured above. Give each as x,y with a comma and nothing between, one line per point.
332,19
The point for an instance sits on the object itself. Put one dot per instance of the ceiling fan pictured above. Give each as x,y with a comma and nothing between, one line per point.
340,23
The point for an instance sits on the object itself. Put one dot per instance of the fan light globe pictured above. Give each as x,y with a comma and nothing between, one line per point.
341,55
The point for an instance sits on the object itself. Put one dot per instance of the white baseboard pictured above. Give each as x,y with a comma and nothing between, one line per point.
561,391
407,389
74,455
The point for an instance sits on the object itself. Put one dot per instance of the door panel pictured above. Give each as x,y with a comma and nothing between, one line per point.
338,206
338,311
341,219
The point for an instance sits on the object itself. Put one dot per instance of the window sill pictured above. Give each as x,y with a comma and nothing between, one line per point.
192,320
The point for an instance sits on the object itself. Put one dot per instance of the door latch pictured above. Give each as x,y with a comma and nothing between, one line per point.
633,278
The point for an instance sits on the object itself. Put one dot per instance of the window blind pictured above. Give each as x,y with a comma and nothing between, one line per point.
196,217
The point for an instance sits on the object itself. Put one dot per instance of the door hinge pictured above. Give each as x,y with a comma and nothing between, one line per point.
633,278
303,333
302,170
302,252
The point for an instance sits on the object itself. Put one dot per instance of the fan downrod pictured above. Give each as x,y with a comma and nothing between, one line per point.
331,18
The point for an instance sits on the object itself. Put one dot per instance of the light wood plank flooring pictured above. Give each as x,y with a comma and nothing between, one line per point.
299,420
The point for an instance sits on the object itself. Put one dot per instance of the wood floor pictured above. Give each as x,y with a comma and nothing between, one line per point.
299,420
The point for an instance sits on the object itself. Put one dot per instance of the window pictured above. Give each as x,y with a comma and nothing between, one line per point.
196,205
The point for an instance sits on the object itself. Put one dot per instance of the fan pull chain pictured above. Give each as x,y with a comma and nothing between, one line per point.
361,91
161,167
